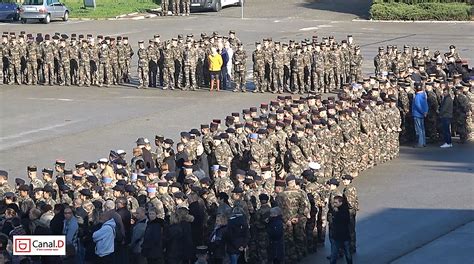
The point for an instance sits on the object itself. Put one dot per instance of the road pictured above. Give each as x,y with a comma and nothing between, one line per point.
411,208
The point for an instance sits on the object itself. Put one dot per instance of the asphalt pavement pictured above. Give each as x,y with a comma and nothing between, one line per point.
412,208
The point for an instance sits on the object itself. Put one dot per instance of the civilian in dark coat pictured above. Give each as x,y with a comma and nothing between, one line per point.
170,159
275,231
148,158
217,244
201,162
340,235
177,239
198,211
152,248
57,223
237,235
121,252
446,114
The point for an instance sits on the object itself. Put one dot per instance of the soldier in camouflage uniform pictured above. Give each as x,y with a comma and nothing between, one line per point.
153,57
4,53
143,62
297,71
177,49
431,120
461,112
4,186
168,67
239,61
258,59
104,65
14,62
317,69
295,209
380,62
114,63
32,51
64,64
190,57
74,57
350,195
278,68
84,64
356,65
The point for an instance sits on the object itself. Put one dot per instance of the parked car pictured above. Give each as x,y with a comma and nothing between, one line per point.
43,10
214,5
9,10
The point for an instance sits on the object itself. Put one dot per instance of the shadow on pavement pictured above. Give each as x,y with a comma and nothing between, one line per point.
360,8
394,232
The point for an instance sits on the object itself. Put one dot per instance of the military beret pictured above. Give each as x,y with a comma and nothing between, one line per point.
333,181
48,188
86,192
31,168
64,188
185,135
168,141
4,173
223,168
452,47
237,189
280,183
223,135
347,177
77,177
119,187
130,188
9,195
230,130
141,177
24,187
290,177
179,195
176,185
92,179
263,197
37,189
19,181
47,170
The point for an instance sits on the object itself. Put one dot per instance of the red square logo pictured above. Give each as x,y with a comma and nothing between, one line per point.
23,245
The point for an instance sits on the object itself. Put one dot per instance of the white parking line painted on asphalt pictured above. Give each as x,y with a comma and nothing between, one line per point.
34,131
51,99
308,28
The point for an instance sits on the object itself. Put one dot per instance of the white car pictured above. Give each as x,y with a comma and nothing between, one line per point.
214,5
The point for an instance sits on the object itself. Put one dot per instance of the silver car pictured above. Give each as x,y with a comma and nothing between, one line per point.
43,10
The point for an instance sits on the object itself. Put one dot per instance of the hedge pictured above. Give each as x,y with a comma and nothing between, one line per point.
412,2
422,11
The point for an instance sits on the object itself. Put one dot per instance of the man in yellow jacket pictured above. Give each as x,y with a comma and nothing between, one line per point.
215,65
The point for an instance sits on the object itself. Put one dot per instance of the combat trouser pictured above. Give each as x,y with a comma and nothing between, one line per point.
14,70
239,79
190,77
352,230
278,74
298,81
84,74
64,73
48,68
259,79
127,70
287,78
318,81
115,73
186,7
104,73
32,70
268,78
176,7
168,77
178,74
143,76
307,79
164,7
94,72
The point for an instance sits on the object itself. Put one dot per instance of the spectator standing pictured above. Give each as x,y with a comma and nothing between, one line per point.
152,246
104,240
138,235
446,114
121,255
237,235
275,231
340,237
419,111
217,245
215,66
71,230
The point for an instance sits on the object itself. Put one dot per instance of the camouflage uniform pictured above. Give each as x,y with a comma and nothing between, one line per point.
278,71
143,61
258,58
104,66
158,205
239,61
14,68
84,66
74,62
380,63
350,194
190,61
168,69
64,66
33,55
114,65
317,70
461,112
297,71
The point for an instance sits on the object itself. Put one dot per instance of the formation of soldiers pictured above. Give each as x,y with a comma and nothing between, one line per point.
435,71
294,150
62,60
177,7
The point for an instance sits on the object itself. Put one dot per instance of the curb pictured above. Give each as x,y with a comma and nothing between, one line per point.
131,16
414,21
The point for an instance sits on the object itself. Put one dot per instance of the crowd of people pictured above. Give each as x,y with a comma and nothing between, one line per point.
261,186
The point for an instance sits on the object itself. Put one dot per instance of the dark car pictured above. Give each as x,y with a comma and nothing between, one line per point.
9,10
